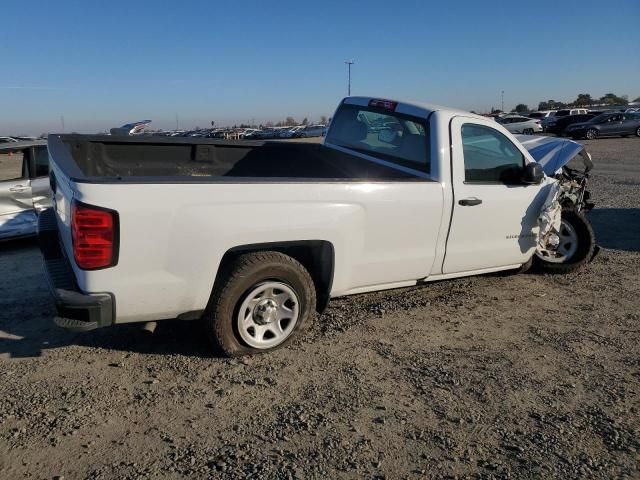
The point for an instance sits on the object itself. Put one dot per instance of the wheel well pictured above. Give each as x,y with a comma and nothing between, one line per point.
317,256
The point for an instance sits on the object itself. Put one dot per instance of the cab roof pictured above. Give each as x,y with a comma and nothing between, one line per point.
415,108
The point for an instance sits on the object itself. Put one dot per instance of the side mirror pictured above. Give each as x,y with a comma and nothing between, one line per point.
533,173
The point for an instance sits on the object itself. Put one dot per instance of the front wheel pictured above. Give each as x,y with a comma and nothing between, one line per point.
638,132
571,248
592,134
259,303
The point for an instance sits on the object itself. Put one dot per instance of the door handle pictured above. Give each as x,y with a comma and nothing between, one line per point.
470,202
18,188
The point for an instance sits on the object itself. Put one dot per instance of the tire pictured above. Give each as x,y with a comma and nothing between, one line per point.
591,134
638,132
578,254
275,292
528,131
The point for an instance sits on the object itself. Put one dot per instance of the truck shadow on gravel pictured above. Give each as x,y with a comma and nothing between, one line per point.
30,338
616,228
27,311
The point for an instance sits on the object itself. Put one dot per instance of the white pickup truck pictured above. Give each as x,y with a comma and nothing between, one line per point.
254,237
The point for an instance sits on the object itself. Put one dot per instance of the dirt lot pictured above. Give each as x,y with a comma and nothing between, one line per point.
521,376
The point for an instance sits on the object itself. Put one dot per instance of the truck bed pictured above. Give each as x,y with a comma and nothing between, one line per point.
101,158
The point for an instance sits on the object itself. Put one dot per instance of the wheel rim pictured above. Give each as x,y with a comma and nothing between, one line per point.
638,132
591,134
268,314
567,245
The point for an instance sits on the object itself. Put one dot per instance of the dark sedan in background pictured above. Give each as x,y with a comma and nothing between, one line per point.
558,125
606,125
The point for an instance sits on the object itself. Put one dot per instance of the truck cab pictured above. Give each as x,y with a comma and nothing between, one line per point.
489,210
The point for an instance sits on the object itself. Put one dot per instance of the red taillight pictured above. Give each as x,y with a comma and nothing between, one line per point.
94,232
386,104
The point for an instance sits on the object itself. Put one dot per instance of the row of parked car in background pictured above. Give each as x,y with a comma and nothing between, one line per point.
577,123
299,131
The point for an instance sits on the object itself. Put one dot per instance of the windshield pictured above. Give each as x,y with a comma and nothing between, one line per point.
394,137
562,113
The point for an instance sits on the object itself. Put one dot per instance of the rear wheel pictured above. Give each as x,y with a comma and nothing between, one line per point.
575,245
638,132
259,303
591,134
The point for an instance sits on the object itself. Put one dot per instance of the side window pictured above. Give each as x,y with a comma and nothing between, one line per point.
12,165
489,156
42,162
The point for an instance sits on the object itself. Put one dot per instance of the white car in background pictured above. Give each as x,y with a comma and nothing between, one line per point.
24,187
290,132
249,133
312,131
518,124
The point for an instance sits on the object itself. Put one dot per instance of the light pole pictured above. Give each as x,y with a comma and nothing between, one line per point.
502,101
349,63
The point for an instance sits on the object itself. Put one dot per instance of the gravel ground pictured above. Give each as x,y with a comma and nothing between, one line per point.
499,376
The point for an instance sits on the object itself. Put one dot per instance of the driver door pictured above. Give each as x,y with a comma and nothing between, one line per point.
494,221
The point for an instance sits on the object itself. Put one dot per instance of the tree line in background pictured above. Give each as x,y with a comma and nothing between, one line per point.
583,100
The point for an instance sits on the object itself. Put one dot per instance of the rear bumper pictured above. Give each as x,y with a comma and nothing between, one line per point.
76,310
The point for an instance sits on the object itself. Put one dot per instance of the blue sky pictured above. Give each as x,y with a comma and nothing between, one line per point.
102,64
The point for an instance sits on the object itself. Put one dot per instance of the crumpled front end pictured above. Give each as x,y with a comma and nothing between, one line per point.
550,218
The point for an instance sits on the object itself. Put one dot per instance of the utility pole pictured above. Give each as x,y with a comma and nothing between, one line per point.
349,63
502,101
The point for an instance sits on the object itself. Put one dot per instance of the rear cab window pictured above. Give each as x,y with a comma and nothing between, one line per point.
399,139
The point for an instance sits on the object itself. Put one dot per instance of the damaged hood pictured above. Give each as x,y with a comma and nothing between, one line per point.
553,153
